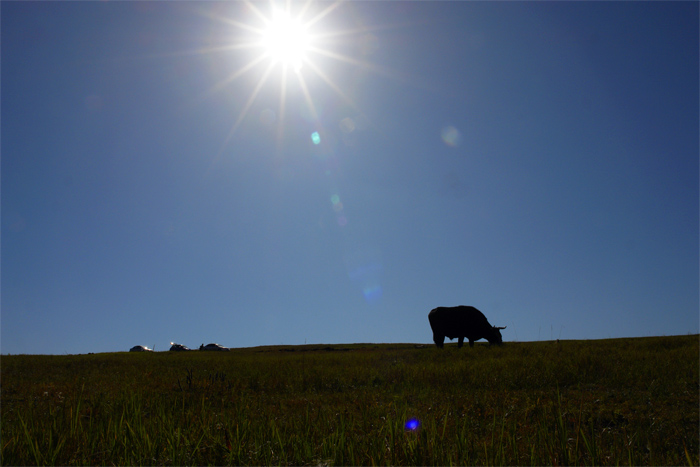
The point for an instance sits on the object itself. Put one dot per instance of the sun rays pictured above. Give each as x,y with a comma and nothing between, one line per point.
286,48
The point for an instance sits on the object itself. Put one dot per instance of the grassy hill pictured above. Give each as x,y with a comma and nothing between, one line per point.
619,401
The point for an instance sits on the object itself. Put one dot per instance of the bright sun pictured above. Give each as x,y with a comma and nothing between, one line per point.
286,40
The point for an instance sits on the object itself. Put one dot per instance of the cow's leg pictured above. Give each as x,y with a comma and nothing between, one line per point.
471,342
439,340
460,343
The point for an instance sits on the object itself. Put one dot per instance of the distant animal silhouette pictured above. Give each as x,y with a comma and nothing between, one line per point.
462,322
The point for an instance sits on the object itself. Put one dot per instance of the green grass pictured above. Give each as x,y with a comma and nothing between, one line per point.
622,401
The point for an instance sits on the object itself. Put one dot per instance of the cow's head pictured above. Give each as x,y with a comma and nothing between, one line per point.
495,337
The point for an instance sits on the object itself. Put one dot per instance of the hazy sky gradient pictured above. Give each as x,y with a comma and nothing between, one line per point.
538,161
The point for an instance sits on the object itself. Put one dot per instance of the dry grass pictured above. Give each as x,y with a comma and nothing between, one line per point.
624,401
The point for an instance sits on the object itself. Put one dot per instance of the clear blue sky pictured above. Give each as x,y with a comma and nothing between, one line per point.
538,161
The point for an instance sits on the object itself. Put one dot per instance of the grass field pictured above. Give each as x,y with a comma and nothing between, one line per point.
621,401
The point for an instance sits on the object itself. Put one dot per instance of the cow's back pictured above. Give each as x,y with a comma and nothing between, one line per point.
458,321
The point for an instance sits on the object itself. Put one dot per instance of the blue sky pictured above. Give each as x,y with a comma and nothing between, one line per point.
538,161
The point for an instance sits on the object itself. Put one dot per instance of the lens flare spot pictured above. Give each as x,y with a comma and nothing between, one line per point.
451,136
412,424
342,221
347,125
315,137
372,293
335,199
365,267
311,110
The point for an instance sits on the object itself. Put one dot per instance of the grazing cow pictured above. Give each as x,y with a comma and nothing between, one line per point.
462,322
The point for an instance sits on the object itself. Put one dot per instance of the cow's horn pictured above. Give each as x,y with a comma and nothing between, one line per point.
503,327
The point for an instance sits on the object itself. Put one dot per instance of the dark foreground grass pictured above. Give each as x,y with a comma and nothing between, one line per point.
623,401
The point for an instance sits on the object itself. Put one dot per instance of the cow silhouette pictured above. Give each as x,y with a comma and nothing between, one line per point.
462,322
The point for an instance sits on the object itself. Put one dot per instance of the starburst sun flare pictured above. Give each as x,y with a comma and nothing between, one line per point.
285,41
